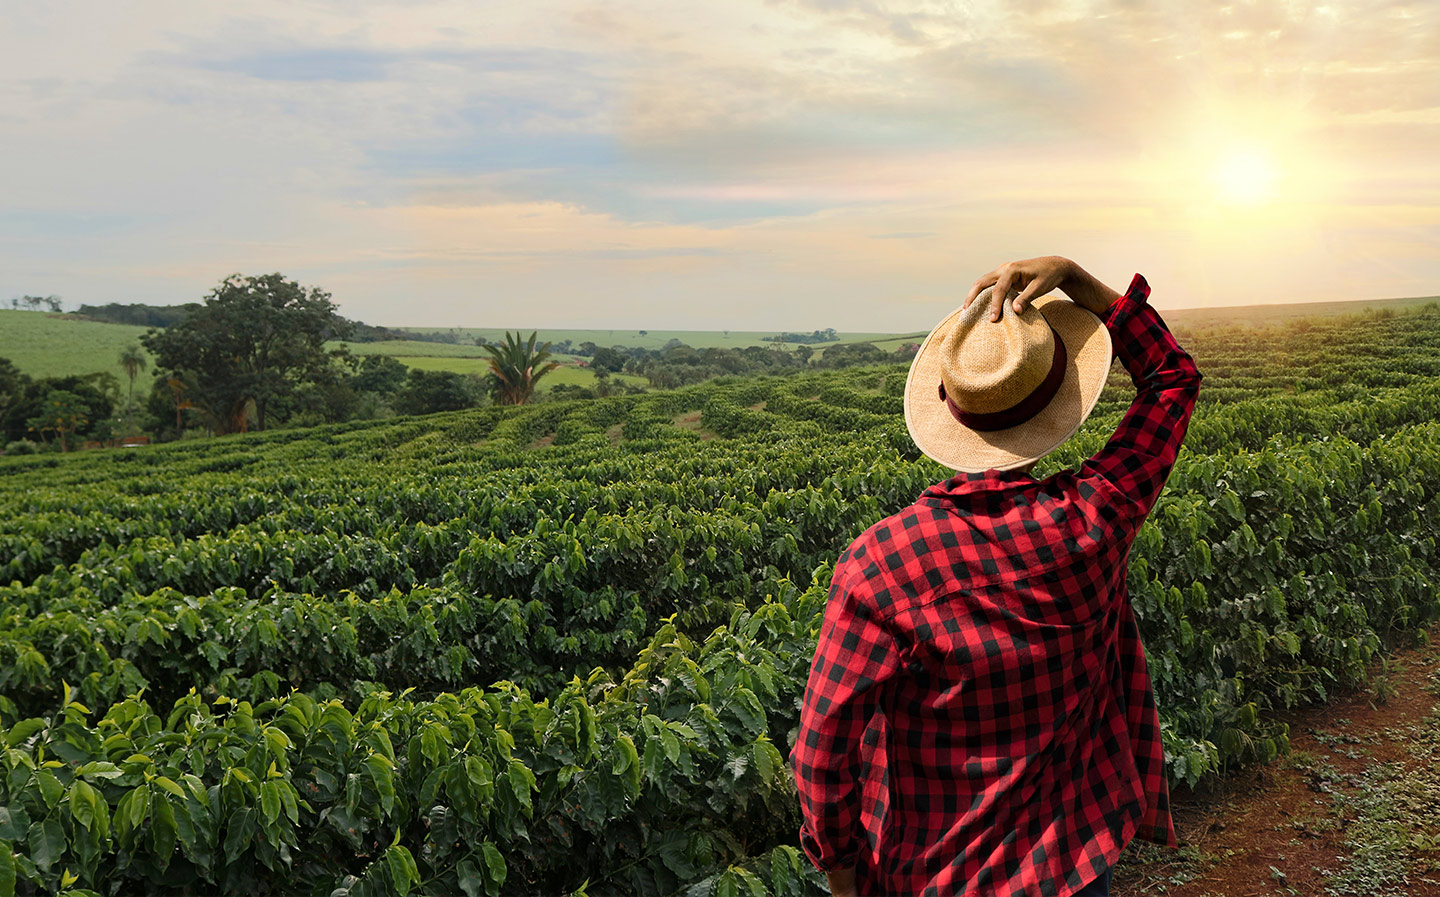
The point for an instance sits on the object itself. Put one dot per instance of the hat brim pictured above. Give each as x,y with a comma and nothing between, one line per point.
940,436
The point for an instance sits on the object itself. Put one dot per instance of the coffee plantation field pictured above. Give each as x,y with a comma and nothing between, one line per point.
560,648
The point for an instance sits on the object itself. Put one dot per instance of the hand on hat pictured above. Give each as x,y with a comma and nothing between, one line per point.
1034,278
1038,276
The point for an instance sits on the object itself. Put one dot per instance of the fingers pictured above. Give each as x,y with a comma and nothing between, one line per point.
1033,277
977,287
1034,289
1002,289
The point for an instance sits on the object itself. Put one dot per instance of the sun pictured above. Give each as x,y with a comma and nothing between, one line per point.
1244,176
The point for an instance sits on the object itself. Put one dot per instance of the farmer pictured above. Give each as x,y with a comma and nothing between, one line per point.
979,718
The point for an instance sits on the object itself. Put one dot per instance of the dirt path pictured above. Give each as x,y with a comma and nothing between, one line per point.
1354,809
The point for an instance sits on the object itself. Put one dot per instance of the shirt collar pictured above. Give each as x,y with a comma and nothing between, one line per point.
972,483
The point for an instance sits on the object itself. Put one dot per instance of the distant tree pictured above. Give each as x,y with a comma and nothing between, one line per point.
132,361
63,413
517,366
604,386
426,392
804,353
611,360
12,386
853,354
98,392
255,340
324,399
34,302
381,374
172,395
136,313
815,336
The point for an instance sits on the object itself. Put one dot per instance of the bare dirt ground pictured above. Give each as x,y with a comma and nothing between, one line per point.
1354,809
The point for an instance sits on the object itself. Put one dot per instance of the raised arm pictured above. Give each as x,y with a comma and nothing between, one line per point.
1133,466
1135,463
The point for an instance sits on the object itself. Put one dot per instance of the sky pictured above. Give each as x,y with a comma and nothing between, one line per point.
716,164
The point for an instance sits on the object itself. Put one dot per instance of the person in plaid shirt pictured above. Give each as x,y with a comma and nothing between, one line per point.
979,718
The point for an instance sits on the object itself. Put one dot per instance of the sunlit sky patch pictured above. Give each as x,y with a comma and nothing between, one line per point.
739,165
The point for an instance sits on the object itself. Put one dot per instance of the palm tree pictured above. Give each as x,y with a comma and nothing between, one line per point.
133,361
517,366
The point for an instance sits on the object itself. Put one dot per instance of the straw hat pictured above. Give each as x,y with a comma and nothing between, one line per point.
988,394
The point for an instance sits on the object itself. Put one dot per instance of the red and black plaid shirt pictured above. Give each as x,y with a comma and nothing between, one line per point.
979,717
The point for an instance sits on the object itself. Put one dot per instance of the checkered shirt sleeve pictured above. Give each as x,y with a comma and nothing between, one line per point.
1133,466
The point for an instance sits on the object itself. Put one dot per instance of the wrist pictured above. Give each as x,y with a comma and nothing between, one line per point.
1085,290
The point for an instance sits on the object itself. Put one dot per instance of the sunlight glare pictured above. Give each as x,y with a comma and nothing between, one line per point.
1244,176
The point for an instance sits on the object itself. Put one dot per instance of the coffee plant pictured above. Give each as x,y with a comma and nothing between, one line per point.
560,649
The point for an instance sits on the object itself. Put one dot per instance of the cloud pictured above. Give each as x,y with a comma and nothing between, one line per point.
311,64
811,160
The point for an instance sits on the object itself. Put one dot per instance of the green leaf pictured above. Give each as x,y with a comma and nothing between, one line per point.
270,801
287,799
479,773
402,869
624,755
162,831
171,786
766,758
185,829
14,823
469,876
674,852
522,781
240,830
671,744
100,769
131,811
82,802
751,881
378,768
47,843
7,869
50,788
495,869
23,730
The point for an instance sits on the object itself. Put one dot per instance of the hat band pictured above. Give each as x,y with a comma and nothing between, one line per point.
1023,410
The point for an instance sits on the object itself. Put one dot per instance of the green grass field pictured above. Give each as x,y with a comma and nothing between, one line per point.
1265,315
646,339
411,347
47,345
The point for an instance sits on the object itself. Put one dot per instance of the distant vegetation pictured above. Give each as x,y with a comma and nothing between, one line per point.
167,372
33,303
136,313
828,335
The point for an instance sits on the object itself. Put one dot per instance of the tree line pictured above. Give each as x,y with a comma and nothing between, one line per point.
253,355
33,303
